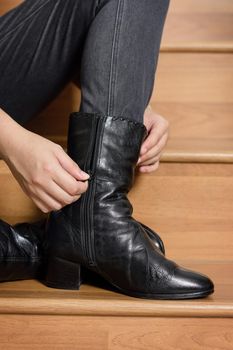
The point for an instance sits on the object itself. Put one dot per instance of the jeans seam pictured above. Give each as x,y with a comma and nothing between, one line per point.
28,16
112,74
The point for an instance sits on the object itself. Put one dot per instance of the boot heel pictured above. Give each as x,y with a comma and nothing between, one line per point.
63,274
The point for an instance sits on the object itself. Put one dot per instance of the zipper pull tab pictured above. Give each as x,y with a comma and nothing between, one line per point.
91,174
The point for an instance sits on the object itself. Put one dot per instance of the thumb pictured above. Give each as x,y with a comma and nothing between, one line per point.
69,165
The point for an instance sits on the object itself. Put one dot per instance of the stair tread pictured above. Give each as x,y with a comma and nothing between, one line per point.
199,150
32,297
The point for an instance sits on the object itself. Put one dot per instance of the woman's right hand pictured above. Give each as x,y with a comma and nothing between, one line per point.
44,170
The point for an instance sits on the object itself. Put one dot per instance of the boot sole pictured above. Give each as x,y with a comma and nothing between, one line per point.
176,296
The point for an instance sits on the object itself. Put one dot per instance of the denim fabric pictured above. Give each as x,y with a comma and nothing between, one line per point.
112,46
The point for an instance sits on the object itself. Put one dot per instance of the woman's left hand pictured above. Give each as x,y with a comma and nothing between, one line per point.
153,145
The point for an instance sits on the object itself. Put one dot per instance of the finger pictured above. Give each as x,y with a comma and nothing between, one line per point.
151,161
156,133
42,205
59,195
69,165
155,151
149,168
67,182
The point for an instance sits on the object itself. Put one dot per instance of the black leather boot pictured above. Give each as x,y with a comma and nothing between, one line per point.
21,250
98,231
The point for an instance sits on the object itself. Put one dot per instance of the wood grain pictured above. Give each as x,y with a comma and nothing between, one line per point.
194,78
193,120
109,333
199,25
32,297
198,150
88,333
187,205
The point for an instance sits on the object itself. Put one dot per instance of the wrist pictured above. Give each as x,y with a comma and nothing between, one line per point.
9,131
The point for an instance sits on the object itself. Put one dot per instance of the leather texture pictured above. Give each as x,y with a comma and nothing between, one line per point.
21,250
98,231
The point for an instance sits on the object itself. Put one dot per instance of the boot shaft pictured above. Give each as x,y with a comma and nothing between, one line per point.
106,147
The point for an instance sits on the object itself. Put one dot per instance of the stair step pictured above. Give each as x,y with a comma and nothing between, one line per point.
32,297
191,26
186,203
19,332
199,150
193,120
194,77
32,315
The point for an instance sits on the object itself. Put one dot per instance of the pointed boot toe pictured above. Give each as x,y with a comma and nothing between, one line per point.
190,284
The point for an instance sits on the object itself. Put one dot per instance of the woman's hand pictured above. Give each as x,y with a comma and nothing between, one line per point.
153,145
43,170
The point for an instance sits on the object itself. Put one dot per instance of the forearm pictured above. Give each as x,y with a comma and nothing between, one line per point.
9,128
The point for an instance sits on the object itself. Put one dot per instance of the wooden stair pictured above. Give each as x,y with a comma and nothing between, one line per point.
188,201
94,318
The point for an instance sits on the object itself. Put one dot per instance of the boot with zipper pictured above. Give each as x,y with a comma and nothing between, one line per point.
98,231
21,252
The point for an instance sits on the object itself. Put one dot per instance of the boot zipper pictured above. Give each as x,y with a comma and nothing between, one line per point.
87,223
88,200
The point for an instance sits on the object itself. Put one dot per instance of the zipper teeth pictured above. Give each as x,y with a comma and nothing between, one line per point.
89,251
87,205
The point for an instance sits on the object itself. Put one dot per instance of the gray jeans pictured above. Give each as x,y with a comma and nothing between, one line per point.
110,47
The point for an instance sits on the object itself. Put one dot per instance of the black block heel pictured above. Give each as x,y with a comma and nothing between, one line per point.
63,274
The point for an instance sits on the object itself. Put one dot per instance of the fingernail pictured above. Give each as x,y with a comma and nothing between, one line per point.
84,175
143,150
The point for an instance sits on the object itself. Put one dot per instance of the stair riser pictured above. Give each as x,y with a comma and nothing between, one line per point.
191,206
109,333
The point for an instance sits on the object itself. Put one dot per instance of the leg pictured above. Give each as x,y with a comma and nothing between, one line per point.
40,47
120,57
